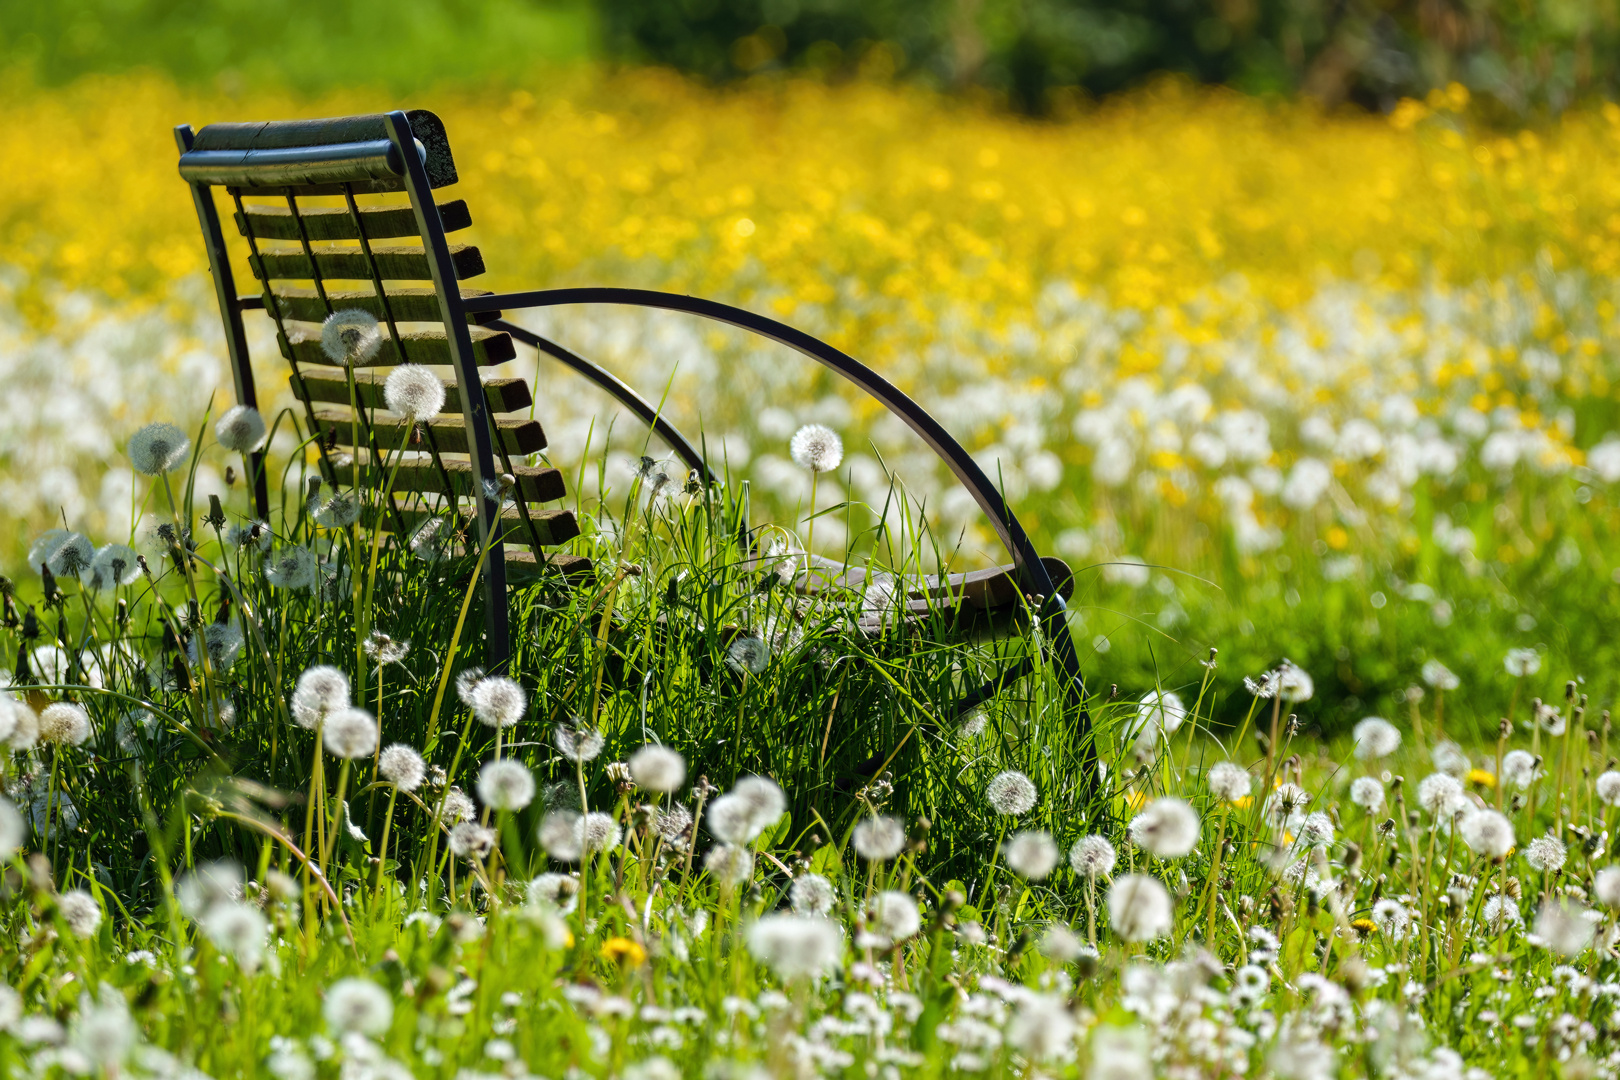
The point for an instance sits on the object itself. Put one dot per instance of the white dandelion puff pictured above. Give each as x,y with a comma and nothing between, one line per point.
1139,908
817,448
1368,793
879,838
64,724
1392,919
471,841
729,864
1167,828
351,337
115,565
350,733
1607,787
1521,663
1563,927
1031,854
1439,676
657,768
1376,738
414,392
894,916
1441,796
1010,792
748,654
1093,857
80,912
811,894
797,946
240,428
1519,769
498,702
1228,781
505,785
157,449
1546,854
321,690
72,557
359,1006
292,568
1488,834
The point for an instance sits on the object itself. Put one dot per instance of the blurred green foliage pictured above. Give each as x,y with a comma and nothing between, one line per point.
1525,56
305,45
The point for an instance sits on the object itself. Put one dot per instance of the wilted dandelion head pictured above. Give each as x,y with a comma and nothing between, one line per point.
1439,676
499,702
879,838
340,511
577,743
1607,787
1546,854
1488,834
674,826
1392,919
1316,830
729,864
386,650
1522,662
358,1005
63,723
414,392
1031,854
1167,828
157,449
1562,926
1519,769
1010,792
402,766
292,568
1367,793
894,916
657,768
471,841
1228,781
505,785
115,565
350,733
1441,796
351,337
560,891
240,428
811,894
748,654
80,912
797,946
816,447
1376,738
1093,857
321,690
1139,908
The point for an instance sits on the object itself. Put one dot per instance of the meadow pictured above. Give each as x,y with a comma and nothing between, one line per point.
1334,388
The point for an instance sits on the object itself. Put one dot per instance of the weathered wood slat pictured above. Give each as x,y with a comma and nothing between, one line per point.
407,304
554,526
336,223
534,484
429,345
449,433
503,395
525,568
395,262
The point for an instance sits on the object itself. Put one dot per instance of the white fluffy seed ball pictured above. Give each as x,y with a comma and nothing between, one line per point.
505,785
350,733
816,447
351,337
1010,792
241,429
1376,738
358,1005
157,449
402,766
657,768
1093,857
1167,829
1031,854
1488,834
879,838
1228,781
64,724
1139,908
413,392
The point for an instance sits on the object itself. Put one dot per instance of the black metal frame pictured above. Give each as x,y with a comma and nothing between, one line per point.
402,162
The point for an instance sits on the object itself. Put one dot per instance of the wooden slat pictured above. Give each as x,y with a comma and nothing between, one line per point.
395,262
325,385
449,432
994,587
525,568
407,304
535,484
554,526
336,223
429,345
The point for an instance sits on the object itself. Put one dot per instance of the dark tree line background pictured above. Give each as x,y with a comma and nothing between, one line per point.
1522,56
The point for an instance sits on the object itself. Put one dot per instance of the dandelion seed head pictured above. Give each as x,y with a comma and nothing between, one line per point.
72,557
505,785
753,805
811,894
386,650
351,337
567,835
1449,758
1608,788
1092,857
63,723
80,912
1488,834
1167,828
1316,830
413,392
1010,792
1042,1028
1606,887
1376,738
1228,781
241,429
894,916
1500,913
1294,684
358,1005
560,891
157,449
1367,793
1139,908
1521,663
292,568
458,807
1392,919
578,743
350,733
1439,676
238,930
1519,769
499,702
1546,854
657,768
748,654
213,882
1562,926
471,841
1031,854
340,511
816,447
1441,795
115,565
879,838
729,864
321,690
467,685
674,826
13,830
1160,711
797,946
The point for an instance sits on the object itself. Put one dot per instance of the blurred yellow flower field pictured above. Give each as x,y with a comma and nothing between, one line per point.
1183,326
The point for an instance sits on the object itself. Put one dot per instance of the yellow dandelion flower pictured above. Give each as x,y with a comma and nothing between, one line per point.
1364,926
622,950
1482,778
